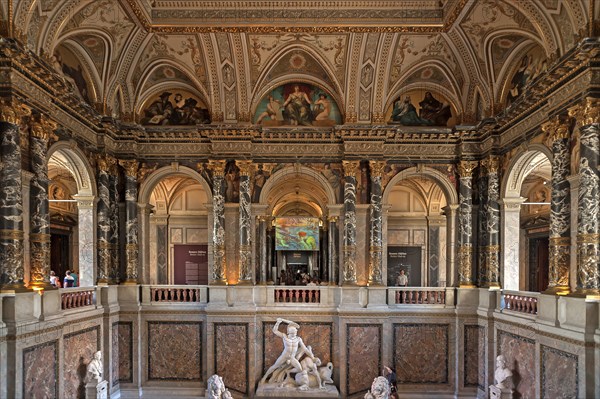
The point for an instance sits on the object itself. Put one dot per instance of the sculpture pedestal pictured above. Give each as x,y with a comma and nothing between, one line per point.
96,390
498,393
275,391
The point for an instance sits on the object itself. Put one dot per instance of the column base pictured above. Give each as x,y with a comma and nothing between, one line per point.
218,282
245,282
130,282
13,288
350,284
558,290
494,286
463,285
375,284
42,285
590,294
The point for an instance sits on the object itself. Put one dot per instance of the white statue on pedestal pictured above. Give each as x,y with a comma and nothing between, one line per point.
380,389
95,369
503,379
297,368
96,387
216,388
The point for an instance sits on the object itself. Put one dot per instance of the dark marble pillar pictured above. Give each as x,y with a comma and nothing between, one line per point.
560,208
245,221
218,273
491,246
39,234
332,250
482,233
11,197
113,181
376,225
104,218
588,223
465,216
349,272
131,220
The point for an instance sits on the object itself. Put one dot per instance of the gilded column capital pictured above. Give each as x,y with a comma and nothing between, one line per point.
246,167
465,168
217,166
106,163
587,113
556,129
131,167
350,168
377,168
143,172
491,164
12,111
42,127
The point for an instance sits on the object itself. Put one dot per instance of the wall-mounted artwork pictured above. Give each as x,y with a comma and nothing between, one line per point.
297,234
174,109
531,65
418,108
298,104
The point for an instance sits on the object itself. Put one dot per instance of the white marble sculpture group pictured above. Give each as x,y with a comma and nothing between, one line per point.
215,388
297,368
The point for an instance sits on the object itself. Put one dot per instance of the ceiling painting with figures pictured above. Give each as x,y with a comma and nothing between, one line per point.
421,108
173,108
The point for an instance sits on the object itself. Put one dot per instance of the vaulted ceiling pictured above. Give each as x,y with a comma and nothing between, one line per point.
230,54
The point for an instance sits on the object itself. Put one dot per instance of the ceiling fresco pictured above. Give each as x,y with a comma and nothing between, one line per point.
367,54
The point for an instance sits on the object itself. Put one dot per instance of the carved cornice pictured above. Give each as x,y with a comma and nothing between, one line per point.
43,127
465,168
131,167
217,167
587,113
13,110
350,168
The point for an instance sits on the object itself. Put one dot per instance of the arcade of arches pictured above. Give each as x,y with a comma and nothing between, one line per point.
198,163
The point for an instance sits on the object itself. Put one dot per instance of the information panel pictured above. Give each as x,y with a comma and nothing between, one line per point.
191,264
407,259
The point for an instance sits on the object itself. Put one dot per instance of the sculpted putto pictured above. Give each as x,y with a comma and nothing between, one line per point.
215,388
380,389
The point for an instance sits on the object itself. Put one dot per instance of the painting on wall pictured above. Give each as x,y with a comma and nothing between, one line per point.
298,104
297,234
531,65
432,109
174,109
71,69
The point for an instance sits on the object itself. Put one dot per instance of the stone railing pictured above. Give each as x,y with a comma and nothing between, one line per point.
71,298
297,295
174,294
420,296
522,302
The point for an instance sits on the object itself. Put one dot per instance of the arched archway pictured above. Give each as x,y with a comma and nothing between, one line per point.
65,155
422,207
174,202
528,173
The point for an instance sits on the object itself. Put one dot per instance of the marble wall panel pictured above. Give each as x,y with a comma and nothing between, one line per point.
421,353
40,371
122,361
161,254
231,354
168,343
318,335
559,374
363,356
79,348
474,357
520,358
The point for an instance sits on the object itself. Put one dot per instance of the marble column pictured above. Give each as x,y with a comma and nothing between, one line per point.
11,197
482,234
218,273
39,234
448,278
131,220
560,208
86,230
491,247
465,226
511,216
104,219
349,272
376,225
262,248
332,250
588,222
113,180
245,265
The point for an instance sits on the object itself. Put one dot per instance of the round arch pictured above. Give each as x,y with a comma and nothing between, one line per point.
78,165
284,174
519,167
441,179
150,183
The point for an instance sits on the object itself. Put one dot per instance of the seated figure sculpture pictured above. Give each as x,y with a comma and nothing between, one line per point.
297,359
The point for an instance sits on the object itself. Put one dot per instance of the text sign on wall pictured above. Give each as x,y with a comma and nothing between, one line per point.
191,264
407,259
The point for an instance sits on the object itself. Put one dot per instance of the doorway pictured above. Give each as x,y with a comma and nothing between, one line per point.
59,253
538,263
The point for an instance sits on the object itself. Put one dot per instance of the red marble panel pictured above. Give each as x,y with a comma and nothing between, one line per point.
40,371
79,350
421,353
473,355
231,355
520,358
482,372
317,335
122,360
363,354
168,343
559,374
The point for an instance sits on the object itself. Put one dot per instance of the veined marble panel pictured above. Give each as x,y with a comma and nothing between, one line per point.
363,356
168,343
559,374
318,335
421,353
232,355
40,371
79,348
122,352
474,356
520,358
